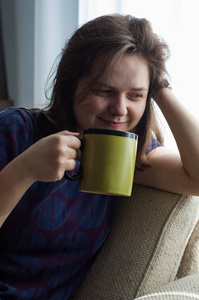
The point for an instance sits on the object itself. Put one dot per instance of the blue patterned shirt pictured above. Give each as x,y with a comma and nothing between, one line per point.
50,239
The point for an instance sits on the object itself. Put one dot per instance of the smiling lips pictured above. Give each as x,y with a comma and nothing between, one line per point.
112,124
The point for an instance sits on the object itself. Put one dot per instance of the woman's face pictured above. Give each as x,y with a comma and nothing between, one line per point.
117,102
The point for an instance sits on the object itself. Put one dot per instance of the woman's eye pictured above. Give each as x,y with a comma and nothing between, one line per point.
102,91
135,96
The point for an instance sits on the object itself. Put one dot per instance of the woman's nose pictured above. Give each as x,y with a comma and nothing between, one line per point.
118,106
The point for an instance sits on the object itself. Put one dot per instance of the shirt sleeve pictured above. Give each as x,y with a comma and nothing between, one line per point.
153,145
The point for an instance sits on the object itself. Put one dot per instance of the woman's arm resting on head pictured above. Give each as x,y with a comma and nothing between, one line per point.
169,171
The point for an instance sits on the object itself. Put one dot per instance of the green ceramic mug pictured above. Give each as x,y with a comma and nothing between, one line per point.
107,162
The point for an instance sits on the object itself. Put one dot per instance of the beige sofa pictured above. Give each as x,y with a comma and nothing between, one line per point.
152,250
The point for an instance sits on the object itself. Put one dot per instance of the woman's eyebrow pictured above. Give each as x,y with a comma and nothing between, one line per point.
139,89
103,84
112,87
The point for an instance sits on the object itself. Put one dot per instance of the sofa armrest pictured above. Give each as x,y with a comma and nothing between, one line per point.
145,246
186,288
190,259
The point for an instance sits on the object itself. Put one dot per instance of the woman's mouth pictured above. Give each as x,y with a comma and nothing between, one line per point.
112,124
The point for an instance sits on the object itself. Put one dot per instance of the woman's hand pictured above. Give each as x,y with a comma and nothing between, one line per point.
50,157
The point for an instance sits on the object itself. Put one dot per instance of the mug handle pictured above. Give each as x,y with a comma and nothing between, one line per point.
80,172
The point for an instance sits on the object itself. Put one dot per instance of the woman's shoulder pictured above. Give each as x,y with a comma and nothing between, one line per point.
19,114
15,119
18,131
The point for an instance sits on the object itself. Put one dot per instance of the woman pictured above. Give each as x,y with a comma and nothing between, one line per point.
108,74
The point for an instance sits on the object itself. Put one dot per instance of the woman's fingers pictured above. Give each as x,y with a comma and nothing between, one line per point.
50,157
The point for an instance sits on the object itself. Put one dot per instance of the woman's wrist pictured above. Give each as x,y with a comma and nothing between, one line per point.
162,91
163,84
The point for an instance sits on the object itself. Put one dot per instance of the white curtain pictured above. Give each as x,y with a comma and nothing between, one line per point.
34,32
177,21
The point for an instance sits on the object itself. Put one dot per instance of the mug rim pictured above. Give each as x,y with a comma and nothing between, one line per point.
111,132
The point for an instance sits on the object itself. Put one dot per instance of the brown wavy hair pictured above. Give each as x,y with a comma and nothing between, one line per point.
102,42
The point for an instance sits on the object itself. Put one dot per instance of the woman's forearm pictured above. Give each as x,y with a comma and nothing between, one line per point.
14,182
185,129
44,161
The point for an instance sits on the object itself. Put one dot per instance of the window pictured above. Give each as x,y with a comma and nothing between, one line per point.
177,22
